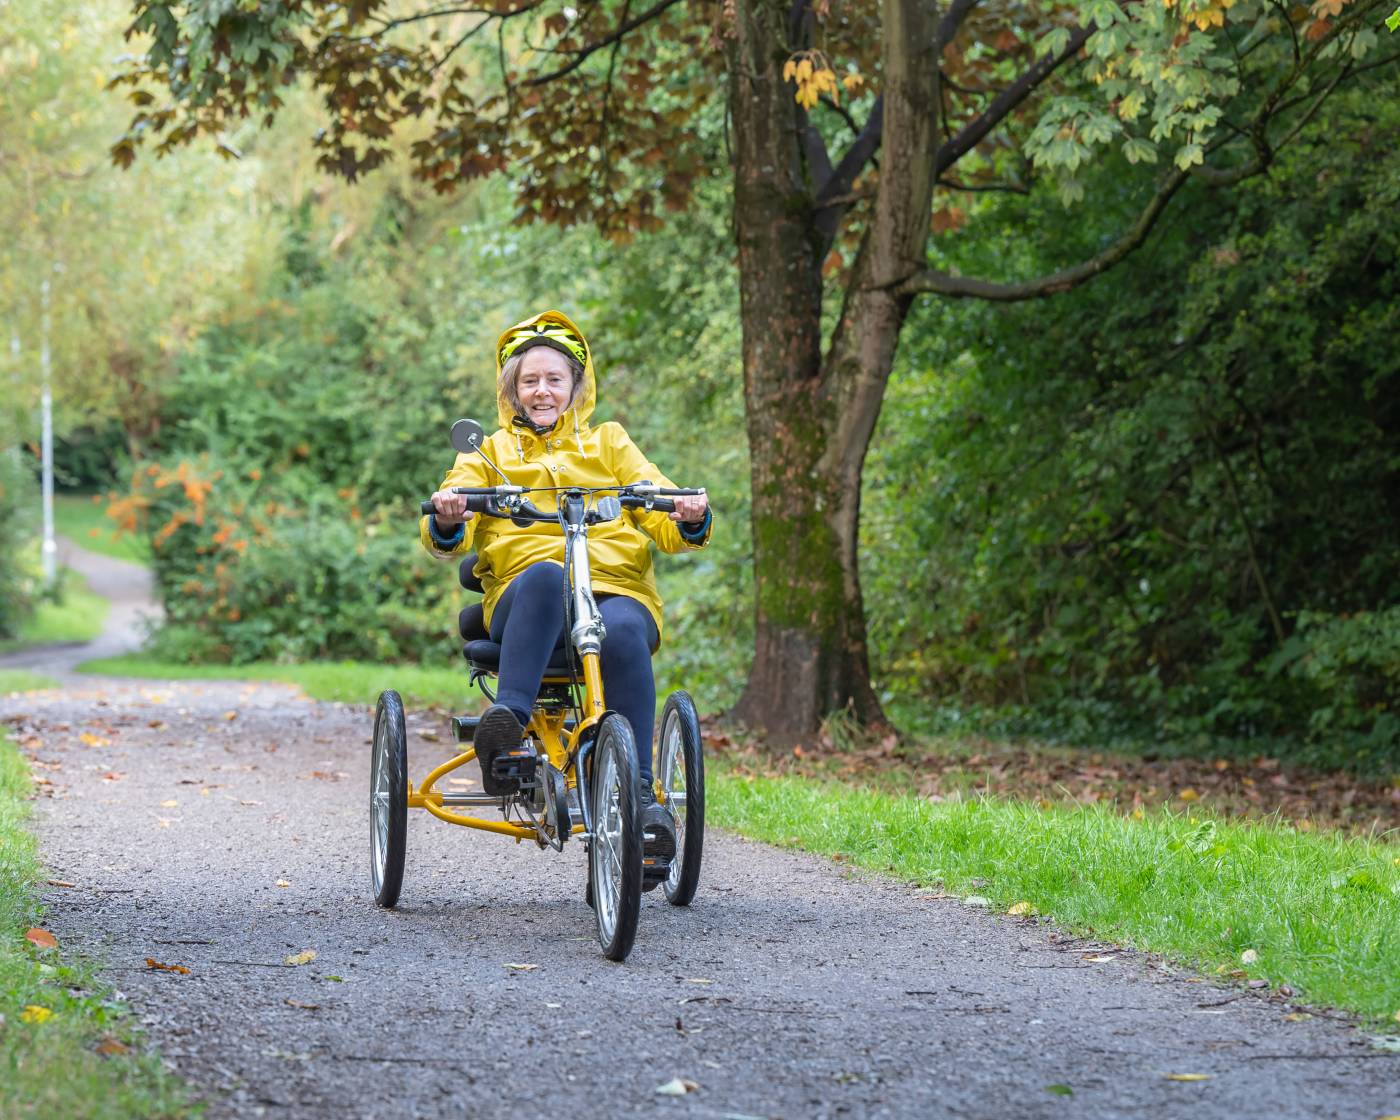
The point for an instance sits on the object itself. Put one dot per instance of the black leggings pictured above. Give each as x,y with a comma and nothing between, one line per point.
528,622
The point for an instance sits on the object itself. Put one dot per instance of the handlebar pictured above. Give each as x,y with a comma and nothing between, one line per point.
487,499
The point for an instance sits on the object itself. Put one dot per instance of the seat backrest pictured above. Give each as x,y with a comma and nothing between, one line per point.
467,577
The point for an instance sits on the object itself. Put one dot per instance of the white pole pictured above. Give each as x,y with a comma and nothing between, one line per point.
50,546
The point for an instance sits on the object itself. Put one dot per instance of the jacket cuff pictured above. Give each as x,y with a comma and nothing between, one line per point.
448,543
693,532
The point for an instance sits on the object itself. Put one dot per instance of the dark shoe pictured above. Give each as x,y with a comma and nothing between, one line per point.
658,840
500,750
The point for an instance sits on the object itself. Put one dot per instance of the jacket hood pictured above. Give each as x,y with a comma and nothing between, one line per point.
582,407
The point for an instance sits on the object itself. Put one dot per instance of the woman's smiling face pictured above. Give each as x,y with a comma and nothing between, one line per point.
544,384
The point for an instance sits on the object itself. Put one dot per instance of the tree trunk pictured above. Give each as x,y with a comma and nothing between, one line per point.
810,420
810,653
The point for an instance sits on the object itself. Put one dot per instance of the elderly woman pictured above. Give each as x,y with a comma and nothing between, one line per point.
545,393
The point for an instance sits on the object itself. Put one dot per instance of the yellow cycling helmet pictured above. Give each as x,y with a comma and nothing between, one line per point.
554,335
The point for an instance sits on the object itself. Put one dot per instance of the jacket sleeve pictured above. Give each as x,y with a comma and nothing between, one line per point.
630,465
468,470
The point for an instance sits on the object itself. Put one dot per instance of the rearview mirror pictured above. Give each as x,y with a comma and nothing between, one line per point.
467,436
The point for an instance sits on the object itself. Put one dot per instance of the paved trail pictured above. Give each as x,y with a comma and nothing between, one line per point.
788,990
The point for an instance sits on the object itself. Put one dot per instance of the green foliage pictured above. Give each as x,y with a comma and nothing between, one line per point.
1321,912
1126,496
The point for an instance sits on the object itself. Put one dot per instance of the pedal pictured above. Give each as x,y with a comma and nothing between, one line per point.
654,872
516,766
464,728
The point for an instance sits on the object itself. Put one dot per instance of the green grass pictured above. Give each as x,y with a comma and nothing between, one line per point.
22,680
1321,911
77,617
351,682
54,1011
84,522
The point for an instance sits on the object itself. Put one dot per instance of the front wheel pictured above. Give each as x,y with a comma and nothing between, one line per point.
680,767
388,799
615,849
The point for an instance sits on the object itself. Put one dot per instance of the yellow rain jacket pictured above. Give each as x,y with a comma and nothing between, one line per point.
571,454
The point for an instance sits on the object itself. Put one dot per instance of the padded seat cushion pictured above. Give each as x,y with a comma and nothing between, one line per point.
486,654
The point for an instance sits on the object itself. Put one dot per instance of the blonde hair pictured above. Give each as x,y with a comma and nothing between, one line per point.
505,384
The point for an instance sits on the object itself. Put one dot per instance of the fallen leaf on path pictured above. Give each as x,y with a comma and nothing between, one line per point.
302,1006
157,724
305,957
110,1048
33,1013
1189,795
92,740
113,776
1021,908
1060,1090
152,963
977,902
41,938
428,736
230,716
1297,1017
162,822
677,1087
334,979
250,802
554,1006
697,980
170,803
1187,1076
1099,960
521,967
283,883
60,883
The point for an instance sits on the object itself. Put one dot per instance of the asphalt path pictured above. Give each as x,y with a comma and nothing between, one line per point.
223,828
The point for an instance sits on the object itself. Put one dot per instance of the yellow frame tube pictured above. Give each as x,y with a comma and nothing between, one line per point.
548,727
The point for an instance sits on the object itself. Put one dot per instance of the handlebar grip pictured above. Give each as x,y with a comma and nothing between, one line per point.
663,505
680,492
476,502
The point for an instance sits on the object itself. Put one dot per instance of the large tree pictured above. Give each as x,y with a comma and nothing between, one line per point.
859,136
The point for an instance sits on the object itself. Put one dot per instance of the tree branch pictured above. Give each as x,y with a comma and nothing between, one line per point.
626,26
972,133
933,280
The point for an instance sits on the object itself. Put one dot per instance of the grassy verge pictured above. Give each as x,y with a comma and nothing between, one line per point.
22,680
82,518
1320,912
66,1048
77,617
350,682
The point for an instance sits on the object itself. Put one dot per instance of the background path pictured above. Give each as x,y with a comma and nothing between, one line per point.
223,828
126,586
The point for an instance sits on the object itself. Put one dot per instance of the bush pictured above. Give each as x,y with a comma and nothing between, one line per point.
247,578
18,502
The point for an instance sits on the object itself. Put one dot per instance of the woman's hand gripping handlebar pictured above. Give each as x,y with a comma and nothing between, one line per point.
457,504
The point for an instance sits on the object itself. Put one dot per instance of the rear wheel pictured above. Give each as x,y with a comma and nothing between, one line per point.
388,799
680,767
615,849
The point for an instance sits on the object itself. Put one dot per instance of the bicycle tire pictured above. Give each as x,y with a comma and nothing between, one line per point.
680,766
388,799
615,847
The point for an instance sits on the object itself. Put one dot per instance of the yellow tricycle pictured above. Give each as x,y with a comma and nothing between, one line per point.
575,776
